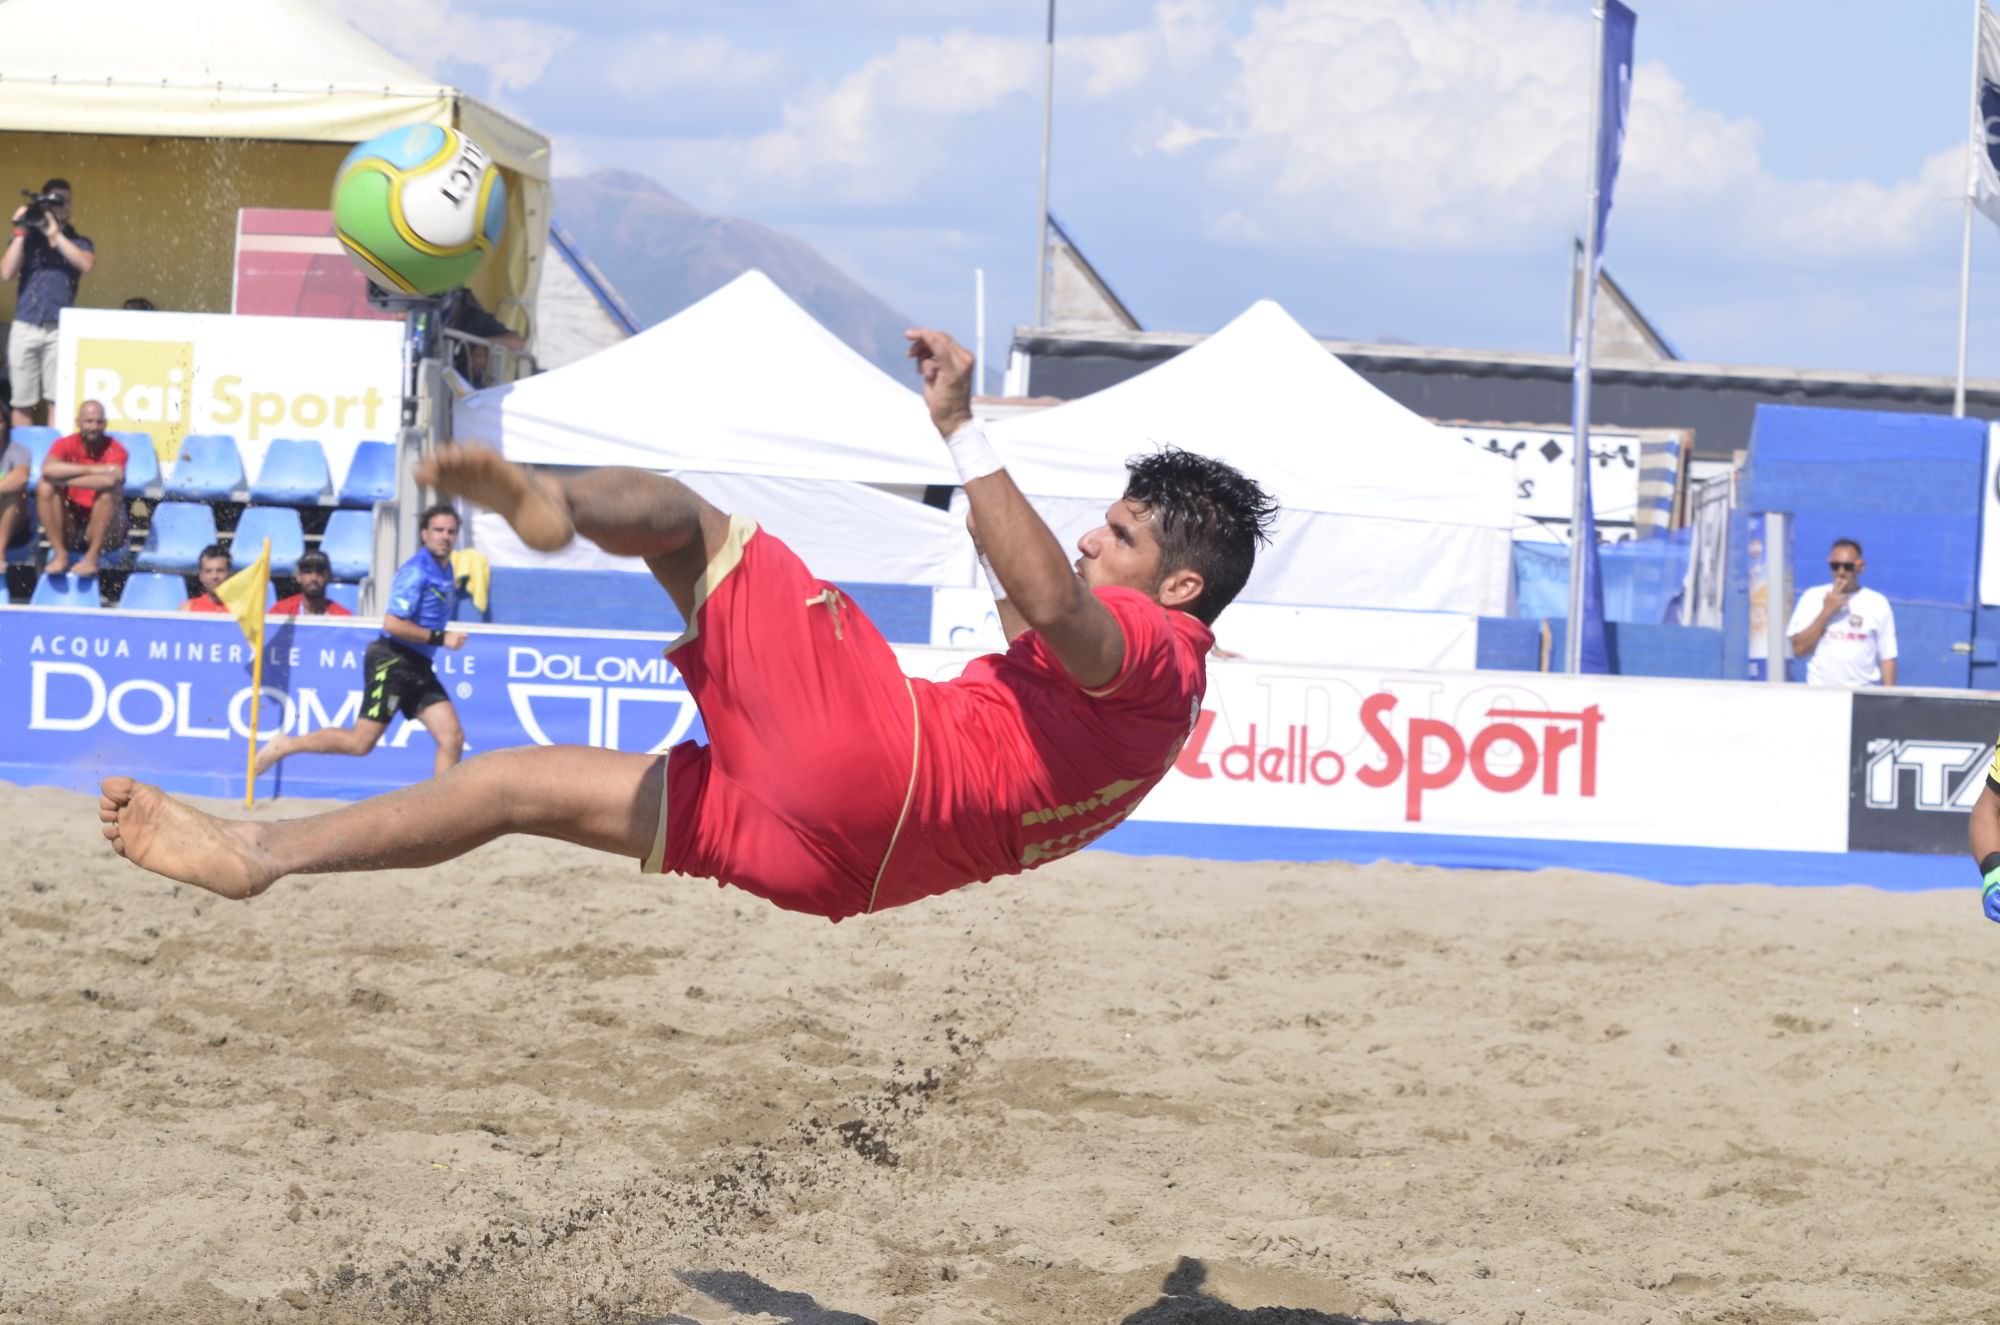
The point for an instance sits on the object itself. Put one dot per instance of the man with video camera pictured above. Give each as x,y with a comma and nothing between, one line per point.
50,259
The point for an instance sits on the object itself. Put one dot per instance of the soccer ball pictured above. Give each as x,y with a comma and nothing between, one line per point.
419,208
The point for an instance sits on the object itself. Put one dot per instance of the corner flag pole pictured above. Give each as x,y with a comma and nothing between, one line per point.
1042,215
1974,143
256,697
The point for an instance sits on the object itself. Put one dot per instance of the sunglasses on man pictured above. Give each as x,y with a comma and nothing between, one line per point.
1843,565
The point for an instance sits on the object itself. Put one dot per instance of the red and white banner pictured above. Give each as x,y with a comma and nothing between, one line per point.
1507,754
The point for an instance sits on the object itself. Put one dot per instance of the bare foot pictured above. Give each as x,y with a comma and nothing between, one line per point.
271,752
57,564
85,568
153,830
483,475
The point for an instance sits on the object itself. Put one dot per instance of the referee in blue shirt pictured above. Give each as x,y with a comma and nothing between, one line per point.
396,670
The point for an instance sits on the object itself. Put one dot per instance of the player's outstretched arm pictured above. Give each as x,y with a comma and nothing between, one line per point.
1041,583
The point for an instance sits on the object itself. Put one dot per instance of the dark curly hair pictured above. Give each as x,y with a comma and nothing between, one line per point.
1208,517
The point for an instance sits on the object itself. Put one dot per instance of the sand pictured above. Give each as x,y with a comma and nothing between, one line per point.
534,1086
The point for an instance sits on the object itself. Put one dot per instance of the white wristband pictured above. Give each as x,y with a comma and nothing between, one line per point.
992,578
972,453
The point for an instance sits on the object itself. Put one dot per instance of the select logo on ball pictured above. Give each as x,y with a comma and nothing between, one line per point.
419,208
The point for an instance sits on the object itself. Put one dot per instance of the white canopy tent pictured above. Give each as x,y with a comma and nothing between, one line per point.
1379,509
748,400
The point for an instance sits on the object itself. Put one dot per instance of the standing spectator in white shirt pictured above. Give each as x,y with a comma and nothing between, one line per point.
1848,632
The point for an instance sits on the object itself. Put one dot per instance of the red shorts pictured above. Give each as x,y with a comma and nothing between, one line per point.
811,756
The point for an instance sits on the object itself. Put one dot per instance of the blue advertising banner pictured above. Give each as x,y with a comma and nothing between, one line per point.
166,698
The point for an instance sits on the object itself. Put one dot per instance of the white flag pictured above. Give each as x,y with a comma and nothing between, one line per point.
1986,118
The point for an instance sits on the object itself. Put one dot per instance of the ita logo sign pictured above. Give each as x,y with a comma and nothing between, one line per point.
1916,766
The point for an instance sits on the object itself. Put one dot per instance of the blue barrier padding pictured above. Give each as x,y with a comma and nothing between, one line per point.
1691,652
1908,486
624,600
1892,872
1508,644
1642,578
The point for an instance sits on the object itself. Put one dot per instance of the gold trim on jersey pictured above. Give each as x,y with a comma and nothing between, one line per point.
916,745
726,559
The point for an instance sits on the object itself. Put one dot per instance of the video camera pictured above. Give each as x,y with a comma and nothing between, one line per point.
38,207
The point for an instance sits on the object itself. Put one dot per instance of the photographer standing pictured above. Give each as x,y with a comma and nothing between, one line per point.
50,258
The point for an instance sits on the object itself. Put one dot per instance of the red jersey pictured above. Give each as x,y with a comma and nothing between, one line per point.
203,603
296,606
1018,765
71,450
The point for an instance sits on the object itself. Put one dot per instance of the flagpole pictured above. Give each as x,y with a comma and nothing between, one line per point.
256,686
1042,214
1973,144
1580,407
256,698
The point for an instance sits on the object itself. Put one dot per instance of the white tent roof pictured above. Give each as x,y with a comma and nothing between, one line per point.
280,69
744,381
1379,508
1264,395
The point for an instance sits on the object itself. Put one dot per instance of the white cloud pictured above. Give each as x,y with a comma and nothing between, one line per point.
663,63
431,34
1462,125
877,134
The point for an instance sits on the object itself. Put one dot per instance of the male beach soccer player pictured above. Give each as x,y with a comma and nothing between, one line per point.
831,784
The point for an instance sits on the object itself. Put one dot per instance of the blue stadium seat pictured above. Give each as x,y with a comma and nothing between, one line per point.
350,543
65,591
179,531
38,441
209,469
371,475
142,463
278,523
294,474
154,591
347,595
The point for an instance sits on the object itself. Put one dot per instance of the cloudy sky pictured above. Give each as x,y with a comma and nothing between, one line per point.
1407,169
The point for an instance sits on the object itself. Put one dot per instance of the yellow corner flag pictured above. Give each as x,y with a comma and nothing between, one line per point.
243,594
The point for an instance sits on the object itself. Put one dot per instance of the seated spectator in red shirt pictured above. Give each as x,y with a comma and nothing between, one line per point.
314,570
78,470
214,570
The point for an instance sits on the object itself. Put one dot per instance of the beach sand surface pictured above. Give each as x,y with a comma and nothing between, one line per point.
535,1086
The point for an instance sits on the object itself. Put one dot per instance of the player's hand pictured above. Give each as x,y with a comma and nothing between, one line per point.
1836,603
454,639
946,367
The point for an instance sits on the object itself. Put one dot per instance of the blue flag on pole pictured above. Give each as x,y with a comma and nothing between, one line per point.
1615,99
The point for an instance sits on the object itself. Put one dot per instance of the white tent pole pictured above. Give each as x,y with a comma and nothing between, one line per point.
1586,332
1042,211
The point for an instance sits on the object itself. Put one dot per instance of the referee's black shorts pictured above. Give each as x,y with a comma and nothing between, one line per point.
395,680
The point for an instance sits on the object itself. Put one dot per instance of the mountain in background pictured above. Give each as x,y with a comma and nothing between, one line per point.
663,255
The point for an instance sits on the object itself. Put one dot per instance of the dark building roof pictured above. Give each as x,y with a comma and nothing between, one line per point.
1716,401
